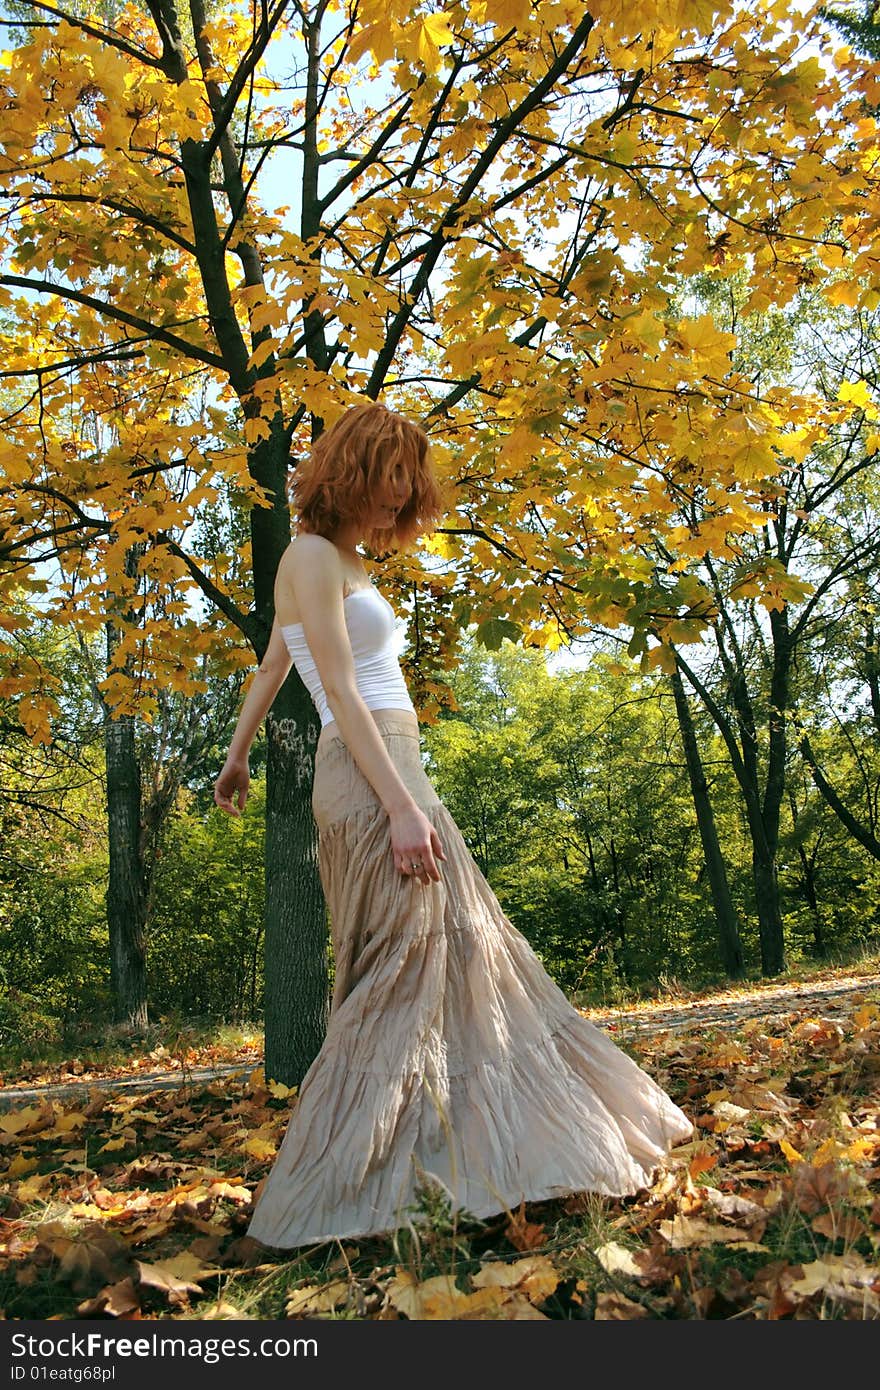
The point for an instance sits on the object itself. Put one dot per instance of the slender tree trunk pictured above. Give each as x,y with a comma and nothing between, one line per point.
295,923
820,945
862,833
872,668
729,941
770,926
809,881
594,874
296,993
762,812
127,887
252,973
619,914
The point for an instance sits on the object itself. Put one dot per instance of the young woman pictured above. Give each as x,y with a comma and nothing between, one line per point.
450,1057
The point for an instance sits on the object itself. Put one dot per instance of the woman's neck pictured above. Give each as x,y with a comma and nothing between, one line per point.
346,542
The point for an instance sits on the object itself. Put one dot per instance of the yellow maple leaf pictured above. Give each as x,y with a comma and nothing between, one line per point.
856,392
18,1120
113,1144
434,34
20,1165
259,1148
439,30
845,292
314,1299
791,1153
508,14
535,1276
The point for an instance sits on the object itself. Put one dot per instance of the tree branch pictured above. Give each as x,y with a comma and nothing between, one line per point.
108,36
243,621
149,331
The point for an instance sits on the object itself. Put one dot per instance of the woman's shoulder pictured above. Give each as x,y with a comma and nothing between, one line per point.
310,555
309,561
317,549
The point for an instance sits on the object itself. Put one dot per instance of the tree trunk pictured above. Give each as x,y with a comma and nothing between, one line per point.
810,885
770,926
296,994
622,964
126,889
862,833
729,941
762,812
820,945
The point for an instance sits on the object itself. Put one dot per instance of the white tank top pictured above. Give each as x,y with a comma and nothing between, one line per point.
371,623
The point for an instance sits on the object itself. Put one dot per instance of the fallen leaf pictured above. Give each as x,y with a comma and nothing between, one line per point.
440,1305
19,1166
259,1148
19,1121
839,1226
118,1300
840,1276
701,1163
30,1188
616,1259
523,1234
533,1276
790,1152
616,1307
761,1098
408,1296
683,1232
318,1298
176,1278
94,1256
820,1188
735,1207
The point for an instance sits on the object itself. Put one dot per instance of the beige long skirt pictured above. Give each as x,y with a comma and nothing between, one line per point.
451,1058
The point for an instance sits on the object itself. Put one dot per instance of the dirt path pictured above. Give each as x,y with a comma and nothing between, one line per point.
178,1078
829,1000
729,1011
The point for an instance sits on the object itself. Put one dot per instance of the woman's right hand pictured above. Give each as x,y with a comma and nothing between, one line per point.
235,777
414,840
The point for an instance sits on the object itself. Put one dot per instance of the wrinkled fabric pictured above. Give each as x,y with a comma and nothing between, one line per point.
450,1056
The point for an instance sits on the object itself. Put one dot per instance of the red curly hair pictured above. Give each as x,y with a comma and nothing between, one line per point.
353,461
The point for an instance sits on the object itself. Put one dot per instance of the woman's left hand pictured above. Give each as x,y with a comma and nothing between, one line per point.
235,776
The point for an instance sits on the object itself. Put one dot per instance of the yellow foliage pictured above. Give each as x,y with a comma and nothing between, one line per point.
532,290
856,393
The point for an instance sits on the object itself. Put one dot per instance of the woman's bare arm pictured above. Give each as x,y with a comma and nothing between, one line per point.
271,672
270,677
316,571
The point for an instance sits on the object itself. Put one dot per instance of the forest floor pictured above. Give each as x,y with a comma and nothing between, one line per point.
127,1190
